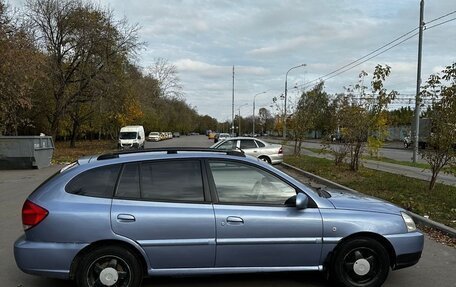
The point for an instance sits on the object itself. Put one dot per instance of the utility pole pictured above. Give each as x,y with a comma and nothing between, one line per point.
232,108
418,84
284,123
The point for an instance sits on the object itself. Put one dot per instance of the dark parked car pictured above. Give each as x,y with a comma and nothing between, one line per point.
112,219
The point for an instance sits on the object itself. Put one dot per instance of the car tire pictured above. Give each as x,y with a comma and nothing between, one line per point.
265,159
109,266
361,262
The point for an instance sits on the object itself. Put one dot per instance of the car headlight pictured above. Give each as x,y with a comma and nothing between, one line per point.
408,222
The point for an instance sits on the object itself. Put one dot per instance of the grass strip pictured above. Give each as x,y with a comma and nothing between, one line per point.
64,154
409,193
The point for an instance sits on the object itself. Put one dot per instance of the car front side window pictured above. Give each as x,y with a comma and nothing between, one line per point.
245,184
228,145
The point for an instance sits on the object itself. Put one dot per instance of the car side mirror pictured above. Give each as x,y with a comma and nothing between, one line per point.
139,137
301,201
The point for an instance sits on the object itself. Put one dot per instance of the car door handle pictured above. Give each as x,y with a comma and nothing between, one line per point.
234,219
125,218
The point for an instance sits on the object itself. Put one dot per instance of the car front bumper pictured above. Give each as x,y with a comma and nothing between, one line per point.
48,259
408,248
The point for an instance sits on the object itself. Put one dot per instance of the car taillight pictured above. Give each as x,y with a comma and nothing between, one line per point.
32,214
280,150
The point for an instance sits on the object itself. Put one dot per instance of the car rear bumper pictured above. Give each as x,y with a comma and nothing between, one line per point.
276,158
48,259
408,248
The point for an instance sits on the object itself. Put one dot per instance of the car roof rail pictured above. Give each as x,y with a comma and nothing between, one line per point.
170,150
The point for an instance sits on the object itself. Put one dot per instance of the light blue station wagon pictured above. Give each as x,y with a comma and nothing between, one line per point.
110,220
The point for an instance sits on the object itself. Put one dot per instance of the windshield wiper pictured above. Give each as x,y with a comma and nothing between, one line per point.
322,193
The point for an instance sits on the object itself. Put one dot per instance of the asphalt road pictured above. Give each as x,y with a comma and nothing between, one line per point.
436,267
397,153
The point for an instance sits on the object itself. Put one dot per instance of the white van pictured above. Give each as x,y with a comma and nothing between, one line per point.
131,137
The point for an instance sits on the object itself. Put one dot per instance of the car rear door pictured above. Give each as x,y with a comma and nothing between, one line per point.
163,206
248,146
254,226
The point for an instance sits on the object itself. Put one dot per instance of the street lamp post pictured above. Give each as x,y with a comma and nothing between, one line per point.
239,115
284,122
253,119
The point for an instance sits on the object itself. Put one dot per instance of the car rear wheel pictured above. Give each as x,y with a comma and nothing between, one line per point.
361,262
109,266
265,159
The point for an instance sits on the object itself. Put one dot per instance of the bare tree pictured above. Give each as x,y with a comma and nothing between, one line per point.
167,76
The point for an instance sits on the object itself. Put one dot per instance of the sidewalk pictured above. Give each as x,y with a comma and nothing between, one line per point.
413,172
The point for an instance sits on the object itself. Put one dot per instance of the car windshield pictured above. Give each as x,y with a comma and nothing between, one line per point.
128,135
153,134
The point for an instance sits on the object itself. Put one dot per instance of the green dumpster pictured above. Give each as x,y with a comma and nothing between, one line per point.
22,152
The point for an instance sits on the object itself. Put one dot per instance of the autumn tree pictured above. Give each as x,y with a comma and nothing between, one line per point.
442,140
362,115
19,72
310,114
80,41
400,117
266,120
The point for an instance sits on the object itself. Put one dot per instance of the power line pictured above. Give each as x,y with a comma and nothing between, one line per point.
441,23
443,16
336,72
367,55
370,58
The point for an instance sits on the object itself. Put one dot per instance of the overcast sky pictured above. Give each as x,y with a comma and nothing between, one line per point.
263,39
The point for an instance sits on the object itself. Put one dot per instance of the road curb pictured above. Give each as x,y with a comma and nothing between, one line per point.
417,218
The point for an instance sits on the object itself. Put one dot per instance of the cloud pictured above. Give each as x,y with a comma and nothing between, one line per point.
263,39
210,70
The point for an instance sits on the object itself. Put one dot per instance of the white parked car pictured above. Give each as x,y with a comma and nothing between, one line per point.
223,136
154,136
271,153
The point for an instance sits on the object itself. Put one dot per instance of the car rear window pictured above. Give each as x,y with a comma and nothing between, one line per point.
97,182
260,144
246,144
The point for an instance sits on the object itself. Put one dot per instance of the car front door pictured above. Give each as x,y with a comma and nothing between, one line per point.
254,226
162,206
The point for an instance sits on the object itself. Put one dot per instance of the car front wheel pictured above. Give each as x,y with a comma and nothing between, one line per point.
361,262
109,266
